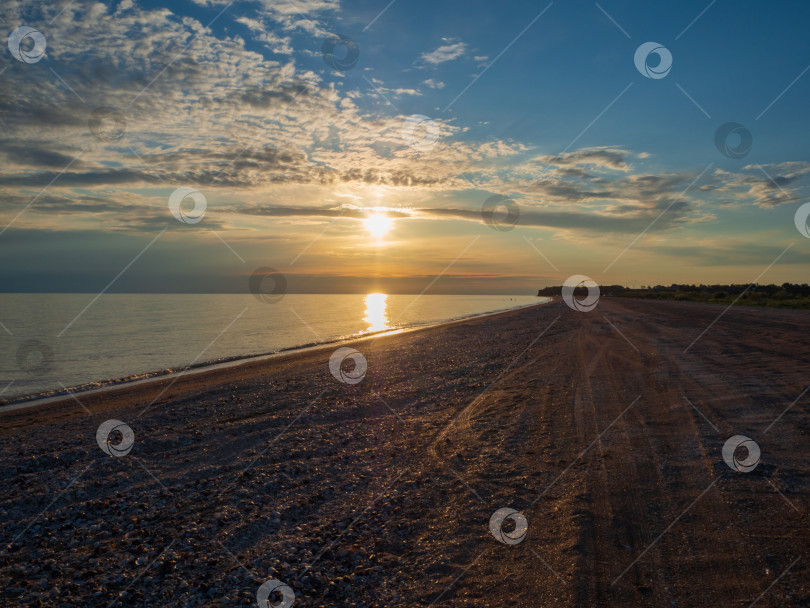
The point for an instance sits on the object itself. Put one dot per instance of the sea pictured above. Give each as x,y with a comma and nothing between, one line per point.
51,342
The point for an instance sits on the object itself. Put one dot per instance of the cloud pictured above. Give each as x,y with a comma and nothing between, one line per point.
600,157
381,90
297,14
600,223
546,218
253,24
730,254
278,44
207,110
345,211
765,186
773,188
23,155
433,83
446,52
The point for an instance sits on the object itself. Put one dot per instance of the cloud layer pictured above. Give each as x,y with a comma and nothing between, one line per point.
250,115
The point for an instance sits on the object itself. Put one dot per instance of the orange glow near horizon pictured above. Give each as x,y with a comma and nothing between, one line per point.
377,311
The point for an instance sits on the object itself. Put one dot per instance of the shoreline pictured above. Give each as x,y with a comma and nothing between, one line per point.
600,428
102,387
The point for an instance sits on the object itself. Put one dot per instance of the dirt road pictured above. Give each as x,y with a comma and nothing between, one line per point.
604,430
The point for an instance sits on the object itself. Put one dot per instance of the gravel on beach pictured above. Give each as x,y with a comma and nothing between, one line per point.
604,430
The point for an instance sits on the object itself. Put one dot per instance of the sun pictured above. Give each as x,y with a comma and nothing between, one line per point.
378,225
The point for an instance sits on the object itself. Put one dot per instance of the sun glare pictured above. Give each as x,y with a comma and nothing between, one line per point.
377,311
378,225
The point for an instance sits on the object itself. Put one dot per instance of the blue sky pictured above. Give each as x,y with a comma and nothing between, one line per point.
615,175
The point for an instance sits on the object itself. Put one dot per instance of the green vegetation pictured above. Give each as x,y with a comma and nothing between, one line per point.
786,295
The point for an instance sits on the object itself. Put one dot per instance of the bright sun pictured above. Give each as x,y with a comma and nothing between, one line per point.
378,225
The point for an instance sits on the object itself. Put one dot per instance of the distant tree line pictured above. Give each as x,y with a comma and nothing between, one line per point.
786,295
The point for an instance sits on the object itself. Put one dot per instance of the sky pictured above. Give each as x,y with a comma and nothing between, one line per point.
459,147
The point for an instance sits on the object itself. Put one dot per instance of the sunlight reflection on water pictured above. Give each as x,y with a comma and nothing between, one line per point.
377,311
130,334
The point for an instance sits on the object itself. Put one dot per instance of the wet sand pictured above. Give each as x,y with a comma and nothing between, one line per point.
604,429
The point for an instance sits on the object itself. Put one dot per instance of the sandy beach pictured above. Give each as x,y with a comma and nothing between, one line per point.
604,430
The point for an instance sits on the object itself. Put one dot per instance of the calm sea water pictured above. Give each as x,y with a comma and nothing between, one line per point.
46,347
